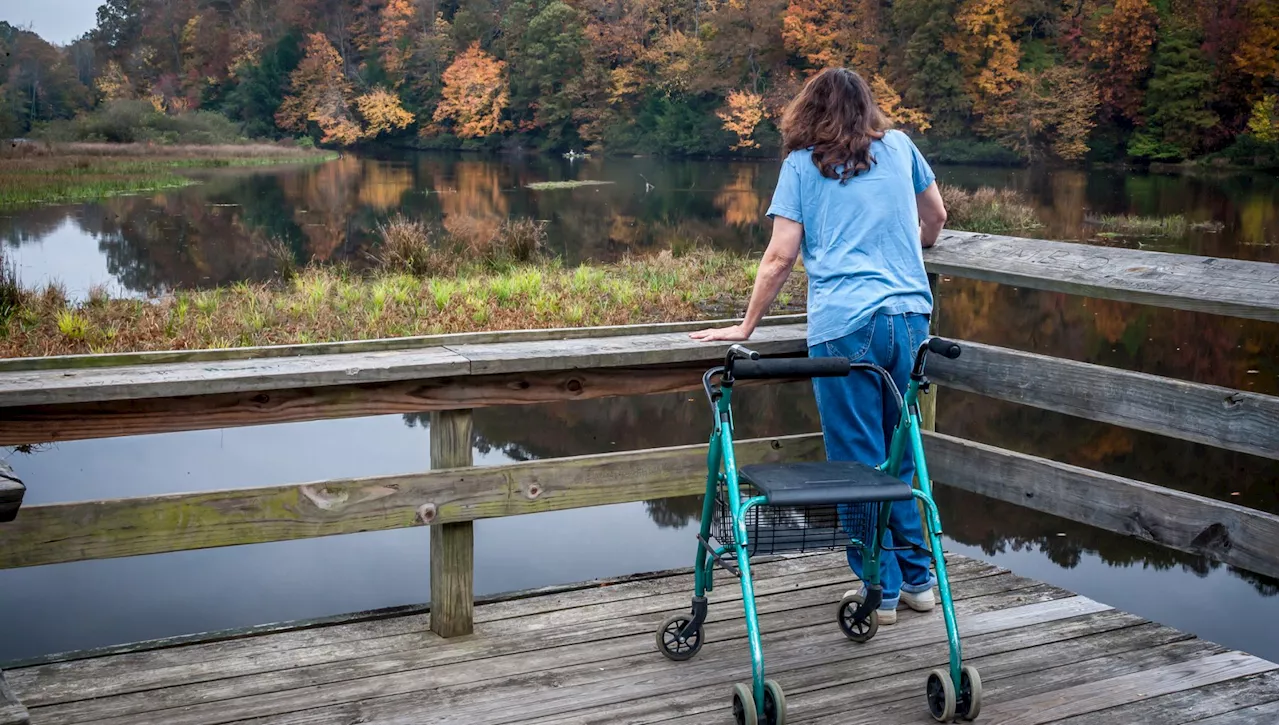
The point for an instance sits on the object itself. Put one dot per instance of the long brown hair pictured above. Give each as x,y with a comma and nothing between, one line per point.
835,115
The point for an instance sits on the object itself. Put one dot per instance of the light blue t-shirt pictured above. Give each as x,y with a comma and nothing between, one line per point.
861,245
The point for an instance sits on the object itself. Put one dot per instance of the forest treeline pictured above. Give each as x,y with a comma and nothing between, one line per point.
1102,80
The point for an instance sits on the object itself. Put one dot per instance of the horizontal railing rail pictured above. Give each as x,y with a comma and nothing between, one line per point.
81,397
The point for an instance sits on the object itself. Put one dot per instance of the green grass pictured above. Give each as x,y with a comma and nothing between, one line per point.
1143,226
553,185
324,304
987,210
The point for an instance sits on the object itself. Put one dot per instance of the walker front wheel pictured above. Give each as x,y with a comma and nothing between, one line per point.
744,706
858,630
674,646
941,693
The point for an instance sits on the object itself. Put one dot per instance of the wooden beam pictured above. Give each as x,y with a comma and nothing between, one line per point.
11,492
1182,281
40,424
1219,417
1225,532
378,345
452,544
12,711
53,533
91,385
95,385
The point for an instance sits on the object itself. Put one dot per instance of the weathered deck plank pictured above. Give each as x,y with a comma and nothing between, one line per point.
1181,281
587,656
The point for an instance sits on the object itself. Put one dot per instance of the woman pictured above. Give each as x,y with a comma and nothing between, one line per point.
859,202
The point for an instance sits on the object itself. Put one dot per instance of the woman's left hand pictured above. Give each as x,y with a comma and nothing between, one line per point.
737,333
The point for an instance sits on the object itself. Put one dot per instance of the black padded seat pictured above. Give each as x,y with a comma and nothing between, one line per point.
815,484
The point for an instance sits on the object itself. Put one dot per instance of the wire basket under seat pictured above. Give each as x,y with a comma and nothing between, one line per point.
794,529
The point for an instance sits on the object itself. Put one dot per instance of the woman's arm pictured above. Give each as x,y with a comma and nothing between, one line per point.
779,259
932,215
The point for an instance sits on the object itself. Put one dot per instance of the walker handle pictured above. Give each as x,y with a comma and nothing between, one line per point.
790,368
945,348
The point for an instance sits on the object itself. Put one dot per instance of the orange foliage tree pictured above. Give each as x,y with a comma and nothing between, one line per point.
745,111
987,53
474,95
890,104
321,95
393,37
1121,49
831,33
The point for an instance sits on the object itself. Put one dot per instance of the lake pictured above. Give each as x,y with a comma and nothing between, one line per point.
219,232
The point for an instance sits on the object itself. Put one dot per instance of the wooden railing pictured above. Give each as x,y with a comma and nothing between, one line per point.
79,397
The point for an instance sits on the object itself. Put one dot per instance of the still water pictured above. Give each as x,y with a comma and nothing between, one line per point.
218,232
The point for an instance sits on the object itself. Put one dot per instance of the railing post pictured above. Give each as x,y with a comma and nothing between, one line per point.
452,547
929,400
11,711
11,492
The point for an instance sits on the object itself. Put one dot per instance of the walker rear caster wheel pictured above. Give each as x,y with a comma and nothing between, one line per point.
775,704
858,630
969,699
744,705
942,696
672,645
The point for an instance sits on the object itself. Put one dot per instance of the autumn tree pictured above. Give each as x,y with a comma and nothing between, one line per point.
987,53
382,113
475,94
1048,112
394,37
827,33
743,112
321,94
891,106
1121,51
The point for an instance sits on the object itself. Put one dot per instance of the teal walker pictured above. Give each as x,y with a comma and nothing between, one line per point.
796,507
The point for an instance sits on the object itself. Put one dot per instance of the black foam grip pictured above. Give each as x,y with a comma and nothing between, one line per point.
794,367
945,348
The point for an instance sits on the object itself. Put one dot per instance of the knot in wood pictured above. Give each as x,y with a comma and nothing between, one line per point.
427,513
775,444
533,491
574,385
1232,401
262,398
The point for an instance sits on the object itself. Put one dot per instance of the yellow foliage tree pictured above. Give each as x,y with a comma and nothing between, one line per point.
1263,124
474,95
987,52
113,84
890,104
744,112
382,112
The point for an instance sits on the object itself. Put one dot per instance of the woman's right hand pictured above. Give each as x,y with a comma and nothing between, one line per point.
737,333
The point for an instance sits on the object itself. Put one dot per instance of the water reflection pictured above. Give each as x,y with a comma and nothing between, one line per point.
226,228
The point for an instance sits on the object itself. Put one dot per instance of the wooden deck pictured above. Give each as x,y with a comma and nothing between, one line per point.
586,654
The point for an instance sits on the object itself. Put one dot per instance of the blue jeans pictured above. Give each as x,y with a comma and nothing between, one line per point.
858,415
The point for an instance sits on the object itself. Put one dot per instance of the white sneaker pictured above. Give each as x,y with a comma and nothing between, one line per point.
919,601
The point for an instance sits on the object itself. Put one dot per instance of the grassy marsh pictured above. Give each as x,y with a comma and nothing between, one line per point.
42,173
